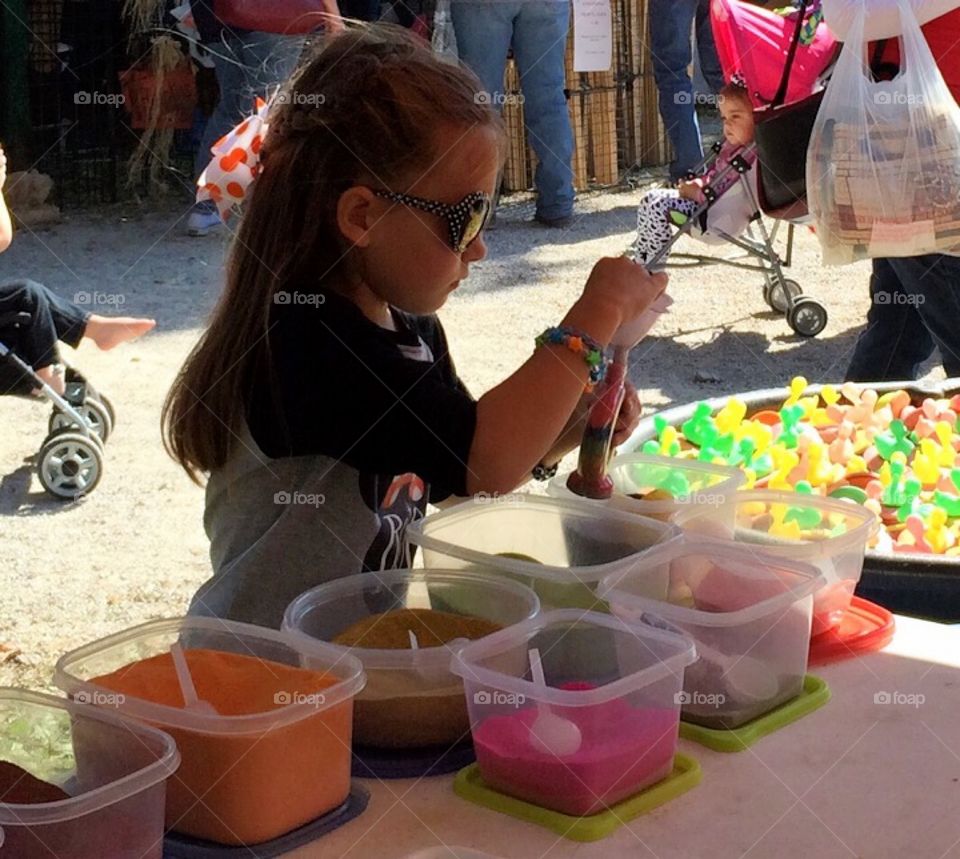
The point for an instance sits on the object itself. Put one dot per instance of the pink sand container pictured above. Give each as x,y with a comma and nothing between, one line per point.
619,684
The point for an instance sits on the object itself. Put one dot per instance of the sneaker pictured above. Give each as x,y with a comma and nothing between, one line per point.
562,221
201,223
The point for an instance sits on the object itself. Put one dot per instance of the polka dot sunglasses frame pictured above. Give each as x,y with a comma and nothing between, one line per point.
465,220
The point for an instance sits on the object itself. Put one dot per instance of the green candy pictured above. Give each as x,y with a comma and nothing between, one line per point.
851,493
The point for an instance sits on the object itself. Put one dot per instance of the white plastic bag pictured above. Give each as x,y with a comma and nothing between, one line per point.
883,165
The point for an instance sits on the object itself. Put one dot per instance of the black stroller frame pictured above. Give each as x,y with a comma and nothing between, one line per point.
805,315
70,462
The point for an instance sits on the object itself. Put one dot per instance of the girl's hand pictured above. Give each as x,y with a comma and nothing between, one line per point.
629,416
689,190
623,286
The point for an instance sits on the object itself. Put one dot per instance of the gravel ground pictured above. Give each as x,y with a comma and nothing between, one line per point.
135,549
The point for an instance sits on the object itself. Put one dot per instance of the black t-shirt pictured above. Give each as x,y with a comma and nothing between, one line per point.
387,402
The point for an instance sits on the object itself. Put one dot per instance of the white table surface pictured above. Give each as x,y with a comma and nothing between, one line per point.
855,778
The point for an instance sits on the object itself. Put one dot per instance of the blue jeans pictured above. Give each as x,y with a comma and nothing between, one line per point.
247,66
52,319
538,31
914,306
671,22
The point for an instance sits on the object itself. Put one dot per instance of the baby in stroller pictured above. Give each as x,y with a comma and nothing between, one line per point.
662,210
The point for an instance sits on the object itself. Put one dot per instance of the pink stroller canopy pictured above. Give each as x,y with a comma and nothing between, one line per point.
754,42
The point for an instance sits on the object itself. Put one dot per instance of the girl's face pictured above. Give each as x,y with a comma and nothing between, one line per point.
737,121
408,261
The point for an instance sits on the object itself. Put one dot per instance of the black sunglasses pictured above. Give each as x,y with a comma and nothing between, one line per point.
465,220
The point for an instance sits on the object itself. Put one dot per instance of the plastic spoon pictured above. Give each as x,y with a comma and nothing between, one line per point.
748,678
189,691
551,733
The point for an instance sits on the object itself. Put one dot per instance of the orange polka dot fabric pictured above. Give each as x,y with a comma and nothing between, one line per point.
236,162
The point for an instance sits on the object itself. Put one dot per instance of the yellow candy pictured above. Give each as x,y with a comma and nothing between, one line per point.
937,535
856,465
925,465
830,395
946,456
731,415
670,435
798,384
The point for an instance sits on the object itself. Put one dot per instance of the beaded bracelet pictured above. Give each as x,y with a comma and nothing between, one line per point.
581,344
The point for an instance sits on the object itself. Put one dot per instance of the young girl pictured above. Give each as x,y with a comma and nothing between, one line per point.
322,399
52,320
663,209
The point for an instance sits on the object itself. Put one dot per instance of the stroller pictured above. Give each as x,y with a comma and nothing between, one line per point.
752,41
71,458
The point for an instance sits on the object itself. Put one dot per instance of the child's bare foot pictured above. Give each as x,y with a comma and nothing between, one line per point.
110,331
54,379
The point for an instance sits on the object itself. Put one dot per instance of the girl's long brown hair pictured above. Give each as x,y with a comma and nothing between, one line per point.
370,100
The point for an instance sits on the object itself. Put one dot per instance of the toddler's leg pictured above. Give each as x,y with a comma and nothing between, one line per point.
35,343
653,220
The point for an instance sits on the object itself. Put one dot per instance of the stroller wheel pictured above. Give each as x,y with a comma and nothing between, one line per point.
776,295
109,407
70,465
94,412
808,317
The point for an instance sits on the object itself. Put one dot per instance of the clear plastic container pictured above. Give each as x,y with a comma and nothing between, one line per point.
748,612
450,851
829,533
617,685
411,700
561,549
701,490
114,770
275,753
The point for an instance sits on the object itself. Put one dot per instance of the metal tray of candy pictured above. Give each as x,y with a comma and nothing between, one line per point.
918,584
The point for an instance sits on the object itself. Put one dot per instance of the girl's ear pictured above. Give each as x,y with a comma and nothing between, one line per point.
356,214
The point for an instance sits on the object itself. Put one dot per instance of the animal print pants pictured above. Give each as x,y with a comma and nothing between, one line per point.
658,210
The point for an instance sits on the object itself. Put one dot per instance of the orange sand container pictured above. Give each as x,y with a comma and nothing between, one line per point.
272,755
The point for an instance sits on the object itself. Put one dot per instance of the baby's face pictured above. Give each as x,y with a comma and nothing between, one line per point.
410,263
737,122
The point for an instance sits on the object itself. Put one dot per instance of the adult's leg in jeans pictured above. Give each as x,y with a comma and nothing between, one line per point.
484,31
51,319
245,67
895,342
707,49
671,26
539,43
931,282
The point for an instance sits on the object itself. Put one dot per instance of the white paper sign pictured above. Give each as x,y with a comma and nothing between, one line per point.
592,36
